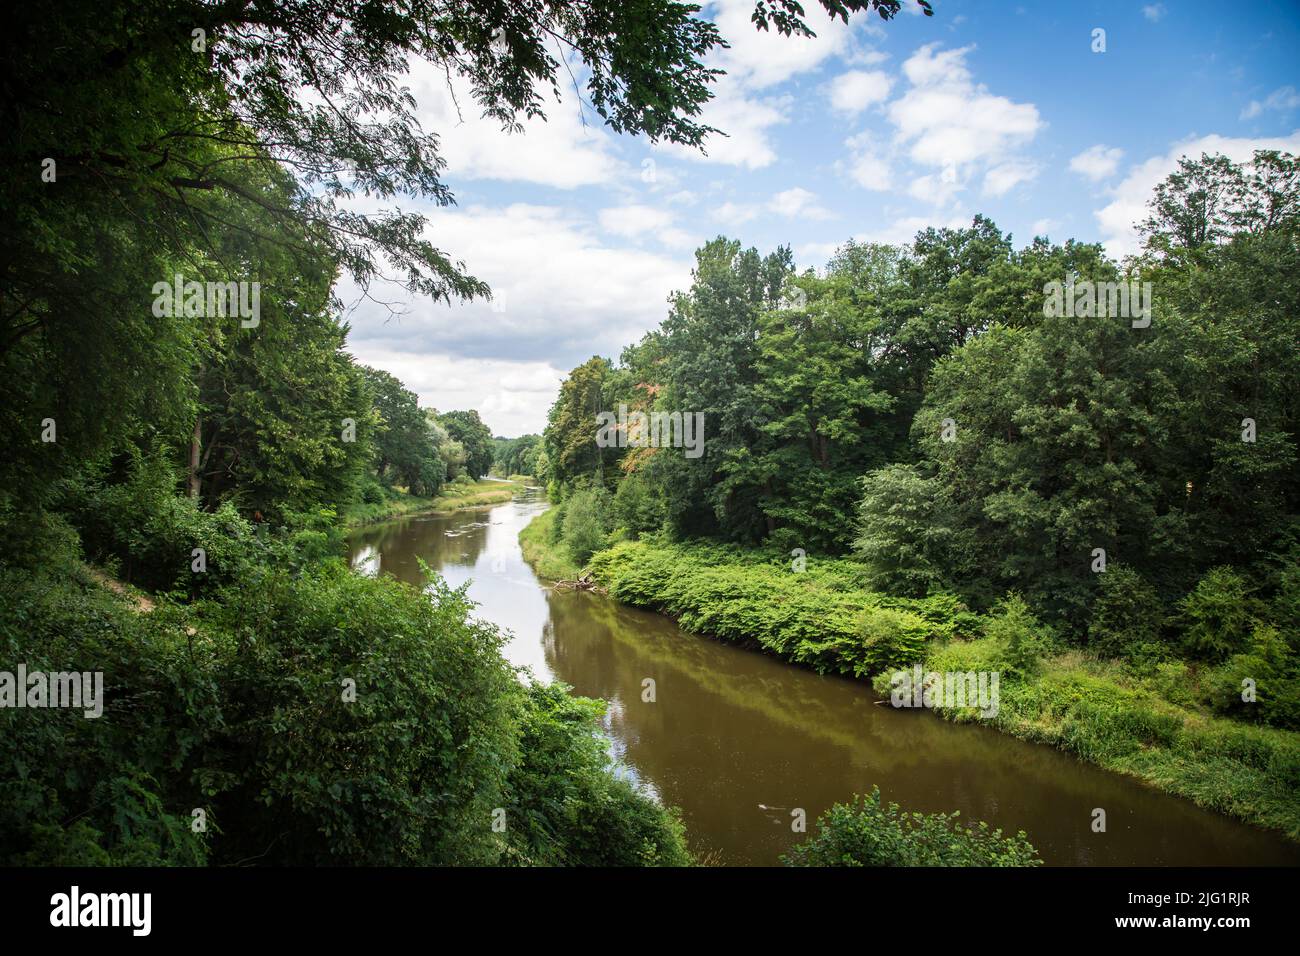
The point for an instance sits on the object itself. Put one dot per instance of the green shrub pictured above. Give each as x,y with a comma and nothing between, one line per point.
636,505
1126,615
565,804
153,533
1269,667
891,639
586,523
1174,682
107,790
866,832
1023,638
237,704
1216,615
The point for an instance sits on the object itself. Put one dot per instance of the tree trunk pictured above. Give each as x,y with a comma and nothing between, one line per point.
196,443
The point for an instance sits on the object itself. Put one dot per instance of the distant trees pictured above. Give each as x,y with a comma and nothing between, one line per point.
406,445
516,456
468,429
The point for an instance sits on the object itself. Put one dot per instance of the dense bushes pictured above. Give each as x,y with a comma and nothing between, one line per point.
314,715
868,832
1158,726
150,533
565,804
1127,615
820,616
586,522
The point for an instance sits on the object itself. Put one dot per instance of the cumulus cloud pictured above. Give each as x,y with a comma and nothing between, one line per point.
946,119
898,232
1097,162
1127,207
795,203
1001,179
756,61
560,290
854,91
798,203
868,164
745,123
636,220
763,58
511,397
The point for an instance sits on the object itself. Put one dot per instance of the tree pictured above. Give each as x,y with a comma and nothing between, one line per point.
571,427
404,442
475,437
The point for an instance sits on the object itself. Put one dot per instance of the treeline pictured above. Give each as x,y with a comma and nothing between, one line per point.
524,455
933,413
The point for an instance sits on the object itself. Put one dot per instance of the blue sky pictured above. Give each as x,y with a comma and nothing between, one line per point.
870,131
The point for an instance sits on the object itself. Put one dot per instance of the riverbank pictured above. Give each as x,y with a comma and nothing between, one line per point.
454,497
545,556
1151,727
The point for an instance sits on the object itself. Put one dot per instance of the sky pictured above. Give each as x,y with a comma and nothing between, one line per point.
869,131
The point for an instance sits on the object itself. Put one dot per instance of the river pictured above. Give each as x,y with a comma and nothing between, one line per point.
737,739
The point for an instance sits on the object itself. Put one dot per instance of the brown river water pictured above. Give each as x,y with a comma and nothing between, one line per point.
736,739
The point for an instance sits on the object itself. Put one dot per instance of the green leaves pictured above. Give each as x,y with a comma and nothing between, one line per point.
869,832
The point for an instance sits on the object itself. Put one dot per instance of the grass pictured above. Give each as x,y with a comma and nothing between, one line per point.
1102,713
455,496
550,559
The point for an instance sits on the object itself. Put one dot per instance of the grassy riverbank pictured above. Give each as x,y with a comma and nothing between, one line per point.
1151,722
549,560
455,496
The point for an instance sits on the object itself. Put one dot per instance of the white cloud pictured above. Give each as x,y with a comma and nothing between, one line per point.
1283,99
854,91
1154,12
735,214
559,152
1001,179
1044,227
866,166
635,221
761,58
744,123
899,232
512,397
756,61
902,231
938,189
1117,218
798,203
946,119
560,290
1097,162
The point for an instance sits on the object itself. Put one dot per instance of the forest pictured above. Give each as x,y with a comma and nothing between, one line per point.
917,455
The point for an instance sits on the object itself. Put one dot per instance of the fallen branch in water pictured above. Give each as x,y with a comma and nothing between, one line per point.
585,581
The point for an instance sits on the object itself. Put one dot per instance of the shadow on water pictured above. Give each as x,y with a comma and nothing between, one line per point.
737,739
